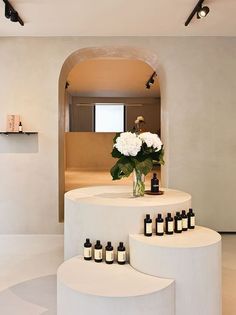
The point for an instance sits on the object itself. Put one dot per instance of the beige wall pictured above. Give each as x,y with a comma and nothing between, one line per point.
197,78
89,150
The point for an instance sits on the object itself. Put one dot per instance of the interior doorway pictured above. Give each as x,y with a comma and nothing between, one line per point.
93,80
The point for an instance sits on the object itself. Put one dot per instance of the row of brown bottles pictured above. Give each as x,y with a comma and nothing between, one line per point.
109,252
181,222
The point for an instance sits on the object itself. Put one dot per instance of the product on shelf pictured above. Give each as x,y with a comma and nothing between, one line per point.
109,253
178,223
169,224
159,225
20,127
154,183
121,254
184,220
148,225
98,252
87,250
191,219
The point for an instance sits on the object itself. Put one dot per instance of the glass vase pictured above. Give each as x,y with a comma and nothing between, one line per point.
138,183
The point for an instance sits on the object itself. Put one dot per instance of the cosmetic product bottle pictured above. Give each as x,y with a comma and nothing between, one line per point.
98,252
178,223
109,253
87,250
159,225
148,225
184,220
121,254
154,183
191,219
169,224
20,127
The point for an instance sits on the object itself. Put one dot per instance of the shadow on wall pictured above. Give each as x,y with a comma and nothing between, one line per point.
19,144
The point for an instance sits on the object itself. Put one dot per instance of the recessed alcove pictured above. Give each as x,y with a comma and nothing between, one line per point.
106,75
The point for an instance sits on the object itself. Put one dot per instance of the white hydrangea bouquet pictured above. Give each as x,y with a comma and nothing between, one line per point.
136,154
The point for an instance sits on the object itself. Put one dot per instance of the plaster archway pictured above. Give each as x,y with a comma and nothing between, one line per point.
121,52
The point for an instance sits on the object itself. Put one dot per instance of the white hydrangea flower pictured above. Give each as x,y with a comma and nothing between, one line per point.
128,144
151,140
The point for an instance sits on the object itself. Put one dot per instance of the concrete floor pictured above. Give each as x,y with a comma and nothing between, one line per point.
28,265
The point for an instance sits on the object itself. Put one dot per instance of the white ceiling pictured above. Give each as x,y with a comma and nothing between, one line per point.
112,78
118,18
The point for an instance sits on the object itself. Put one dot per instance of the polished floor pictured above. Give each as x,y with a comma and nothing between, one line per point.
28,265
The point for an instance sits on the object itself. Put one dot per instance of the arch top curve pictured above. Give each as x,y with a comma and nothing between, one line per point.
108,52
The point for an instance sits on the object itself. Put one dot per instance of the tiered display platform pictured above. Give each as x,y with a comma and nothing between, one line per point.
111,213
177,274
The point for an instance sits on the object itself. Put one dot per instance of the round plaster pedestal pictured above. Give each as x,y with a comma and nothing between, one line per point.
86,287
192,259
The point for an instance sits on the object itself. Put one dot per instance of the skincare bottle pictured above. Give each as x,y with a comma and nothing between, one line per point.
191,219
178,223
109,253
87,250
148,225
20,127
184,220
169,224
159,225
121,254
154,183
98,252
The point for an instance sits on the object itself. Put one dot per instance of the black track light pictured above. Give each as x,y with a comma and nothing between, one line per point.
203,12
11,13
150,81
200,11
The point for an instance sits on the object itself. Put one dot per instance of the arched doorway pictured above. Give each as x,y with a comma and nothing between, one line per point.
74,59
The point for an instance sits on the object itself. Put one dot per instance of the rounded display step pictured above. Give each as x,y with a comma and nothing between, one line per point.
192,259
110,213
86,287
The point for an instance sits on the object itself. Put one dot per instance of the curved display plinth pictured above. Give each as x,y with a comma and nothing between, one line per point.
86,287
192,259
110,213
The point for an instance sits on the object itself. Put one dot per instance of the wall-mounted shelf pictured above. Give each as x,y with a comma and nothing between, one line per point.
18,133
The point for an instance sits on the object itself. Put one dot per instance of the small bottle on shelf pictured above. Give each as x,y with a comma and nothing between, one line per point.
184,220
191,219
109,253
169,224
87,250
20,127
148,225
154,183
159,225
98,252
121,254
178,223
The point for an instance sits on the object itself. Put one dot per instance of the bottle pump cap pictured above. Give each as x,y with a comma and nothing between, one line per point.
183,211
121,244
190,210
98,242
154,175
108,243
177,213
147,216
168,214
87,240
159,215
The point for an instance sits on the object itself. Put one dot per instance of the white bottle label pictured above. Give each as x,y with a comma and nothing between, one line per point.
160,227
185,223
109,255
179,225
192,221
148,228
98,254
87,252
170,226
121,256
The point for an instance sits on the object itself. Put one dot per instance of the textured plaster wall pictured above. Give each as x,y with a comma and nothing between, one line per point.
198,85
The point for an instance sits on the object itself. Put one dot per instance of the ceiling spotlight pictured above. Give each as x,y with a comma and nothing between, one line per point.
199,10
11,13
203,12
150,81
